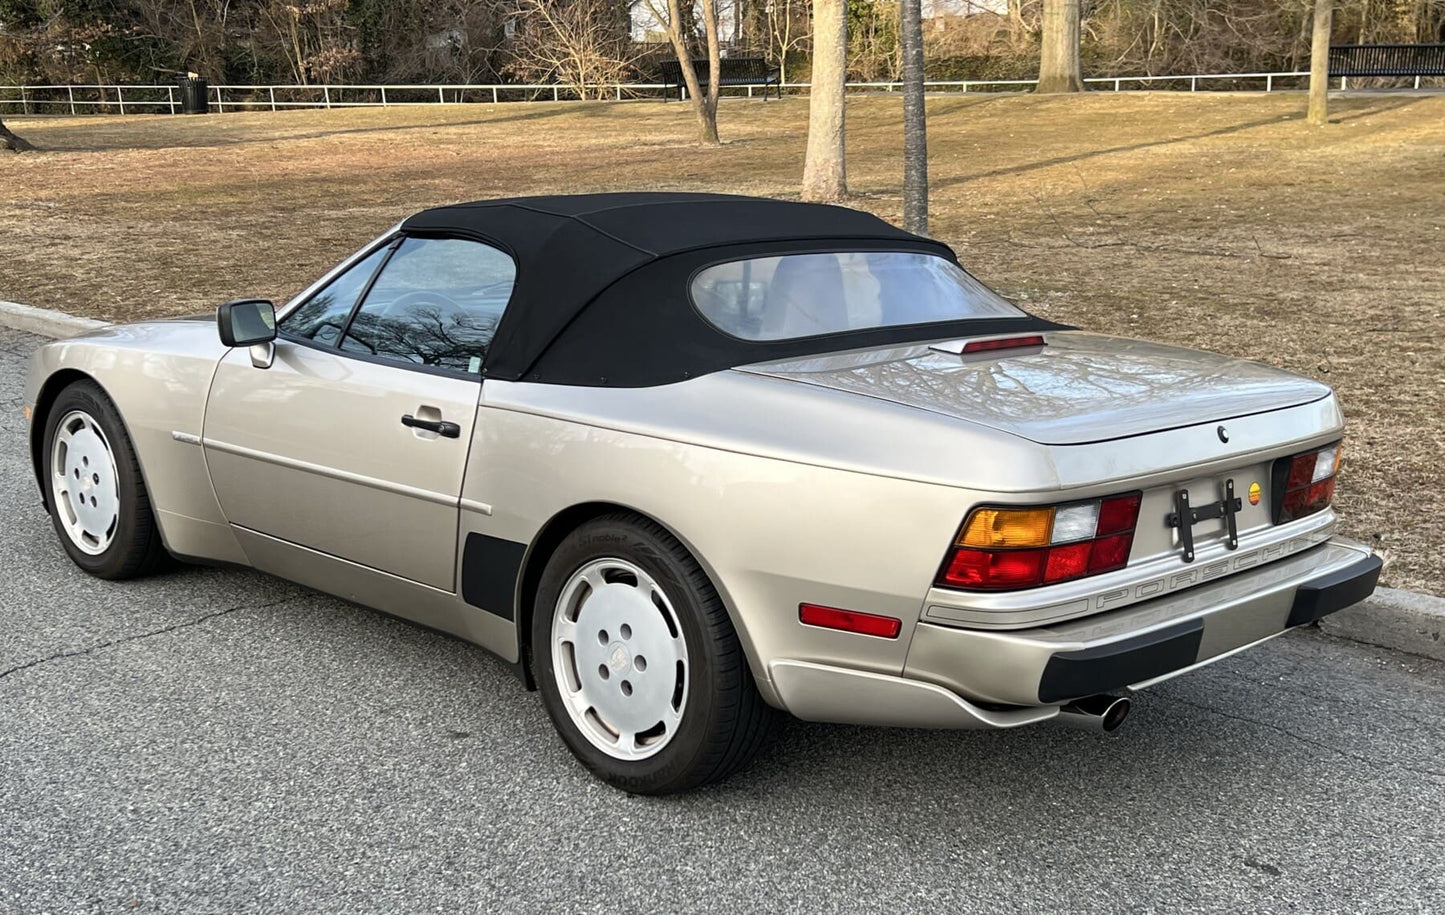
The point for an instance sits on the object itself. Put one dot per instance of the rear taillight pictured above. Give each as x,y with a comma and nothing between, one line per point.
1007,549
1305,483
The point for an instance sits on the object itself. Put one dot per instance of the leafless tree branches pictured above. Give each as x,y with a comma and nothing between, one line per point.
576,43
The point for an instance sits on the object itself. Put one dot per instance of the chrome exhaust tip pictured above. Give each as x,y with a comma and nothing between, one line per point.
1096,713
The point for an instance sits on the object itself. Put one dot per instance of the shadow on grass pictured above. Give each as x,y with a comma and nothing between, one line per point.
219,142
1155,144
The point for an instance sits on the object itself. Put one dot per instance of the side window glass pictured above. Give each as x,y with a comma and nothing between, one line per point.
323,316
436,303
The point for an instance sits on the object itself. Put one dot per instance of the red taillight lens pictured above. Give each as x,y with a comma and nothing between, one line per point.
1110,553
1067,562
994,569
1300,469
1305,483
1084,538
1119,514
885,627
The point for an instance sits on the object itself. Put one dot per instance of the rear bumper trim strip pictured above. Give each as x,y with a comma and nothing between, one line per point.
1090,671
1334,591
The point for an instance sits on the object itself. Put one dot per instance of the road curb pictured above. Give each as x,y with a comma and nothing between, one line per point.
1401,620
45,322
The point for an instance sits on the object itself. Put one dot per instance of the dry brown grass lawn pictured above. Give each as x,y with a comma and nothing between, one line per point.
1218,221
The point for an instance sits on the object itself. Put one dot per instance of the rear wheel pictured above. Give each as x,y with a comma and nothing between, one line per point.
98,501
638,664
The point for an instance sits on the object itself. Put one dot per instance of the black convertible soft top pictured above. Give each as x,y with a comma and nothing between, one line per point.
601,295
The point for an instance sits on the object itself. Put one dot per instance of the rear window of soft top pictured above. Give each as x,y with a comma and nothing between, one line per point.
791,296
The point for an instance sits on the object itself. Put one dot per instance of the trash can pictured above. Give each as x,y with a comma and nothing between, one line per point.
195,95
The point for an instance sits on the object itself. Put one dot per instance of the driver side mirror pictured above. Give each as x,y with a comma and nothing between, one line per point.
246,322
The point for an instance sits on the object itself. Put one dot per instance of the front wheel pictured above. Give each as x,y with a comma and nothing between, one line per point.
638,664
98,500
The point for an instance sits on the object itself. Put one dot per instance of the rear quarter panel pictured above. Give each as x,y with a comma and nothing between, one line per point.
771,530
790,493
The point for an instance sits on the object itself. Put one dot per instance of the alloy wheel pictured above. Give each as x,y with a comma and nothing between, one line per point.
620,658
85,483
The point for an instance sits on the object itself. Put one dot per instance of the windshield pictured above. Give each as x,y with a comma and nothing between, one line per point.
806,295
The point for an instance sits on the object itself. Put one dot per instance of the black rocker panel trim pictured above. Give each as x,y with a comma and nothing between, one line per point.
490,567
1091,671
1335,591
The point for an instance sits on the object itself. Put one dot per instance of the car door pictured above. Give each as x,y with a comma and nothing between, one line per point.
353,442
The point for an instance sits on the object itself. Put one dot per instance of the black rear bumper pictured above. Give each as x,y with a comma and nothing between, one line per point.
1075,674
1334,591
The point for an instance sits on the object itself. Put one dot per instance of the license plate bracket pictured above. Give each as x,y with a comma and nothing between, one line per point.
1185,516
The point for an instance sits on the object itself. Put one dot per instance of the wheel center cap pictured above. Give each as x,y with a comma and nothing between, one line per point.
617,658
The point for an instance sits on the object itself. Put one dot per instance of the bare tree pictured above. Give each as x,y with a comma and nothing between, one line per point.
874,50
11,142
915,123
825,175
1059,67
1319,111
314,38
679,29
787,30
574,42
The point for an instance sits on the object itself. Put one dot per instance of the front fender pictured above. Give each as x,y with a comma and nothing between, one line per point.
158,375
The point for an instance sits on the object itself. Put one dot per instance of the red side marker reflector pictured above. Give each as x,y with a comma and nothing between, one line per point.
983,346
885,627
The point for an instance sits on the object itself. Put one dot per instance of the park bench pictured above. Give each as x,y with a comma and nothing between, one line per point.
732,71
1415,60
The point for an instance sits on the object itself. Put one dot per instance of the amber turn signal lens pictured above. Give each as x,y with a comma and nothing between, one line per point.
992,528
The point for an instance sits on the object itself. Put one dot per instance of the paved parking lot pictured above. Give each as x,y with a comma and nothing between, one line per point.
219,741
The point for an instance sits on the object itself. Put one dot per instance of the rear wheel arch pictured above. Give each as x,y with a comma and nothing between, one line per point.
551,535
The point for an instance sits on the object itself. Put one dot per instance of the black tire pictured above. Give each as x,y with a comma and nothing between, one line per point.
724,720
136,547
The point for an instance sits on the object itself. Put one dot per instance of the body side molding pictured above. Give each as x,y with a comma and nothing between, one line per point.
415,492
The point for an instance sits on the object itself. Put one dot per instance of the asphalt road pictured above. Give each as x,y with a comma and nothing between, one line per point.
219,741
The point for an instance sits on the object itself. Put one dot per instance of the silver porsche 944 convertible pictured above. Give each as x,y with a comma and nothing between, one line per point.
687,460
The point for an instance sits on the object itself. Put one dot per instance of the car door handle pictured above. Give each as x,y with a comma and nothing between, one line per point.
439,426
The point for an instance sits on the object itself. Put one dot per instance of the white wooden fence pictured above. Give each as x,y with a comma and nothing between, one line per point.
137,99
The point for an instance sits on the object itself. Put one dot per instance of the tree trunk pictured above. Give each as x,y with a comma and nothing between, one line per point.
1319,111
915,124
825,176
704,106
1059,68
714,65
11,142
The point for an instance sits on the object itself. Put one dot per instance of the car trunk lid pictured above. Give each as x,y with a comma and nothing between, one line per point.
1077,389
